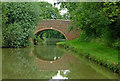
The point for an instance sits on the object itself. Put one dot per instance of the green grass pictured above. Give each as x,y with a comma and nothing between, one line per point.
95,51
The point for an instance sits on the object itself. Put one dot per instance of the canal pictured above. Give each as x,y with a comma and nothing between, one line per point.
49,62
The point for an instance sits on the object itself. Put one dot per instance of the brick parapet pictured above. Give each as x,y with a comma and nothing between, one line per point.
58,25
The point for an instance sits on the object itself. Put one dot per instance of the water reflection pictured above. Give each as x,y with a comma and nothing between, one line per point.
17,64
0,64
48,52
61,74
47,62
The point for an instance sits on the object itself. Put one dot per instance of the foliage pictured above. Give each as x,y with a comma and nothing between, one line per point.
48,34
112,35
20,19
52,34
97,20
26,15
0,24
14,36
66,16
37,40
49,12
90,20
111,10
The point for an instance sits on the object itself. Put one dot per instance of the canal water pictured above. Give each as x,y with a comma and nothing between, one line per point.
49,62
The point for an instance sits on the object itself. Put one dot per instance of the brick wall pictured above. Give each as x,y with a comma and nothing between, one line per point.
58,25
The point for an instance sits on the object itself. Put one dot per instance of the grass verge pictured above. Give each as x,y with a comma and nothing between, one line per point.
98,53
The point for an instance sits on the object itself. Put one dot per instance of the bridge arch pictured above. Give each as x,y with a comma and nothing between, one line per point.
59,25
51,28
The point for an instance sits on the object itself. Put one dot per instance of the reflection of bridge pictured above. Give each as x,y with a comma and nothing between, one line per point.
59,64
58,25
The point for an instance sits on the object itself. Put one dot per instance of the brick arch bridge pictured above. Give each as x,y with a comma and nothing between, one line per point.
58,25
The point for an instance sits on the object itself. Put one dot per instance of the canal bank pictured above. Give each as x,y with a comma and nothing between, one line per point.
100,54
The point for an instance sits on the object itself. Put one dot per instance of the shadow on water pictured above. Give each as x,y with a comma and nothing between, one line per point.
47,62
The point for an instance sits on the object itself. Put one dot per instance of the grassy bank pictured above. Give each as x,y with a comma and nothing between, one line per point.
100,54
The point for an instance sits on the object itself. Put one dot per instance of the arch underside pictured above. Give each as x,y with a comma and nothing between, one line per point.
51,28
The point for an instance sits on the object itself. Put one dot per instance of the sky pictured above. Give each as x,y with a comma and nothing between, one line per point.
62,12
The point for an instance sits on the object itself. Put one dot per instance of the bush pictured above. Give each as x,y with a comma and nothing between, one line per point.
14,36
19,22
112,35
20,19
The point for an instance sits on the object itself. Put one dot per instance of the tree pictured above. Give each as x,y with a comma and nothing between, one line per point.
48,11
97,20
19,21
48,34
